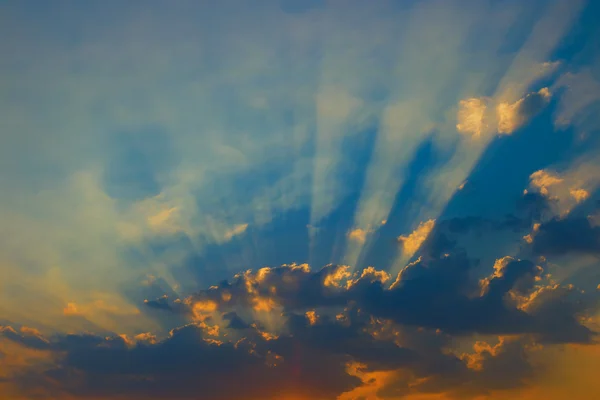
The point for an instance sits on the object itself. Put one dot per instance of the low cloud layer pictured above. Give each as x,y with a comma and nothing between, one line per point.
290,330
444,324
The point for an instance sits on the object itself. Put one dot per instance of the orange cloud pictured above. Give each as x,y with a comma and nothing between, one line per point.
512,116
312,317
472,117
336,278
203,309
412,242
358,235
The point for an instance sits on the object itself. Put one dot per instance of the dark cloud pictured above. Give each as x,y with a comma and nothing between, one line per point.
499,367
444,297
294,287
310,360
534,206
323,324
161,303
437,244
330,319
567,235
557,310
531,207
186,365
464,224
444,236
235,322
441,291
532,104
29,338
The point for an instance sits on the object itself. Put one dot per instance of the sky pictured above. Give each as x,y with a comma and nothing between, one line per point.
300,199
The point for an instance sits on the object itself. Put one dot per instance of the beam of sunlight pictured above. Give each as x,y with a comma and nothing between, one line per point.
529,66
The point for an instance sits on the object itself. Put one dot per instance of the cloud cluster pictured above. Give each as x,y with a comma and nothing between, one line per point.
567,189
439,326
478,116
291,331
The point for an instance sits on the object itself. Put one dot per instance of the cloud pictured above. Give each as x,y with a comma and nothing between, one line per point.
235,231
555,306
471,117
71,309
358,323
512,116
478,116
579,195
567,235
27,336
412,242
161,220
162,303
542,179
567,189
447,298
359,235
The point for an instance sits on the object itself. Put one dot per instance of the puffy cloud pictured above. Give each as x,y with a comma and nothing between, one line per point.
579,195
27,336
512,116
342,332
484,116
567,189
441,288
529,238
567,235
471,117
542,179
162,303
349,325
556,307
413,241
359,235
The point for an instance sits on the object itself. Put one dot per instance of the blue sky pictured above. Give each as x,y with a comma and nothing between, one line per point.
152,149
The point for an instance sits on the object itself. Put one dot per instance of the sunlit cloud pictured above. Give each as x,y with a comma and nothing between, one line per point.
358,235
413,241
471,117
477,117
569,188
512,116
394,350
